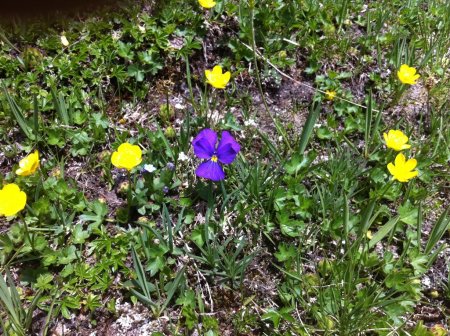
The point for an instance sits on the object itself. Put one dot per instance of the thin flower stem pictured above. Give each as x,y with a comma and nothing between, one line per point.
129,197
27,231
210,194
189,82
386,188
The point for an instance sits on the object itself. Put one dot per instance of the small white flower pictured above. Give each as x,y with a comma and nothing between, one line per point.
182,157
141,28
116,35
250,122
64,41
149,168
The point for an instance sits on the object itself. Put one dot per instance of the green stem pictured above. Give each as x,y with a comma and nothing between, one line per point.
189,82
27,232
129,198
386,188
397,96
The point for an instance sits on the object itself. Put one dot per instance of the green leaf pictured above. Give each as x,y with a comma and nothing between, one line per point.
18,115
44,281
197,236
408,214
438,231
79,235
309,127
134,70
156,265
299,162
67,255
285,252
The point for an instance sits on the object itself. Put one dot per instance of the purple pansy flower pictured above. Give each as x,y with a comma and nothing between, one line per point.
205,147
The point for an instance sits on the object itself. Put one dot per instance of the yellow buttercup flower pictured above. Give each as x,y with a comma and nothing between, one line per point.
12,200
403,170
127,156
29,164
216,78
396,140
207,3
407,74
330,94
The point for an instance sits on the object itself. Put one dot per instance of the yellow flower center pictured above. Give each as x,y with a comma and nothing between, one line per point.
214,158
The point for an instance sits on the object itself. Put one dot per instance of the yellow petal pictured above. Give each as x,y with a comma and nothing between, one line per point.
217,70
400,160
12,200
392,169
226,77
115,159
410,164
406,146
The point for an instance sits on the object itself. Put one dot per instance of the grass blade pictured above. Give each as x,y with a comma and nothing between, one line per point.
309,127
173,287
18,115
438,231
60,106
383,231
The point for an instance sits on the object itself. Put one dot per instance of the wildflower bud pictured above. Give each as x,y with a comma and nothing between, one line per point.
170,166
282,54
56,172
123,188
165,189
101,200
324,267
170,132
166,113
64,41
438,330
143,220
327,323
434,294
104,155
329,29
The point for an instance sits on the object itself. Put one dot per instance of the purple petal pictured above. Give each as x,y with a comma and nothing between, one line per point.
228,148
205,143
210,170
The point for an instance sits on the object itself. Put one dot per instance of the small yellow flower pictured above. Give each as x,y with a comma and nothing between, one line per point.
216,78
407,74
64,41
403,170
12,200
127,156
29,164
207,3
330,94
396,140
